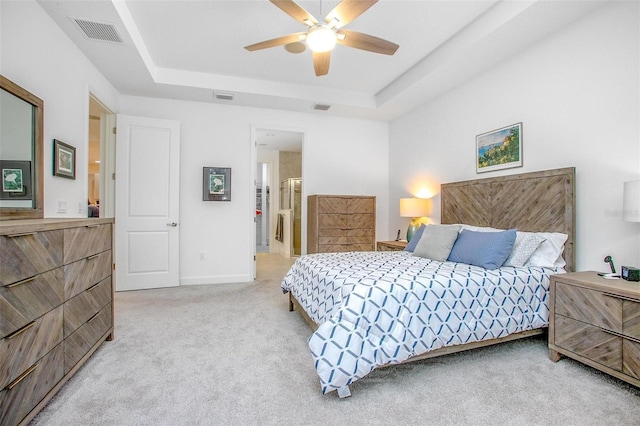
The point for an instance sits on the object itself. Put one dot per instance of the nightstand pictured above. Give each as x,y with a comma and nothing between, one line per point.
391,245
596,321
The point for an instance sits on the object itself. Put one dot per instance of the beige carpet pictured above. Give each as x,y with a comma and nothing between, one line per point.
233,355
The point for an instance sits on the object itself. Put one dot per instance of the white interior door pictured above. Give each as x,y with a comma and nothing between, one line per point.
147,209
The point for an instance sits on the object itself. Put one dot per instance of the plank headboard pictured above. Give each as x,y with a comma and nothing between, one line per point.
533,202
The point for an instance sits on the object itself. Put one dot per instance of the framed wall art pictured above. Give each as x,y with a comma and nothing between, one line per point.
64,160
499,149
216,184
16,180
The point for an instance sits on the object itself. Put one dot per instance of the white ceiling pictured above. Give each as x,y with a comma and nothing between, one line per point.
188,50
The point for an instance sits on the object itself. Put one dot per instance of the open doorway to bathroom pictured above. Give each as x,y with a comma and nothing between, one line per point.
98,202
279,189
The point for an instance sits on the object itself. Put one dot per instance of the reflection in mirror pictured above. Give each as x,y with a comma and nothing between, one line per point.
20,152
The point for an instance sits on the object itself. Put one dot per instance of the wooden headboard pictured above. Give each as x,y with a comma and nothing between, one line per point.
534,202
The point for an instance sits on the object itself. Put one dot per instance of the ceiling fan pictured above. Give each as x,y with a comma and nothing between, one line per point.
321,38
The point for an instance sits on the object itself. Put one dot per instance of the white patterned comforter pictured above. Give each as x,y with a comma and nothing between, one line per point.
377,308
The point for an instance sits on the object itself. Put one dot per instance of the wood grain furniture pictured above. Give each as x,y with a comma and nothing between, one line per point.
56,300
534,202
339,223
596,321
391,245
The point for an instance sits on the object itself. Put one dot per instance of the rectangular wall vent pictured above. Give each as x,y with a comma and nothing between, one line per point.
224,96
98,30
321,107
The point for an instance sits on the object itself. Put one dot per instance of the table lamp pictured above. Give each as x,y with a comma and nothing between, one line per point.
417,209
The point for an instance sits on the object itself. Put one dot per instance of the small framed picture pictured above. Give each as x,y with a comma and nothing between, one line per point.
64,160
16,180
499,149
216,184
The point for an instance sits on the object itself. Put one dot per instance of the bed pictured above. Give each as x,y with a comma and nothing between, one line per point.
373,309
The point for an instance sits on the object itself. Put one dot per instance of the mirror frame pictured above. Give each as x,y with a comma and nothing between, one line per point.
37,212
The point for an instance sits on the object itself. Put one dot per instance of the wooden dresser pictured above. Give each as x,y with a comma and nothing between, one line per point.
597,322
56,307
338,223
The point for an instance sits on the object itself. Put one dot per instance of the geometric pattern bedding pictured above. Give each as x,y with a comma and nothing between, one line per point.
378,308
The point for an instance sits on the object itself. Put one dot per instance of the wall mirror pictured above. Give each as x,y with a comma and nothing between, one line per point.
21,152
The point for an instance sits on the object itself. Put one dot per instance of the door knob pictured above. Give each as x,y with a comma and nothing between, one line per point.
172,224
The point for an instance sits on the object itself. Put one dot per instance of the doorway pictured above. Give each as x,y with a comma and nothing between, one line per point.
95,180
278,162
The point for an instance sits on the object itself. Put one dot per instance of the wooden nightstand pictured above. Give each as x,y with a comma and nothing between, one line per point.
596,321
391,245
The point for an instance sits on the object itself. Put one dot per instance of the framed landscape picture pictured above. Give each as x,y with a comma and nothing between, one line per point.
499,149
216,184
16,180
64,160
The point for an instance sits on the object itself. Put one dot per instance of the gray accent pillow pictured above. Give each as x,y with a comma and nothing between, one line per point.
436,242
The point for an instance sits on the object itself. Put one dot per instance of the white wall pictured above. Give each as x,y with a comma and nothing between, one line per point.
38,56
340,156
577,94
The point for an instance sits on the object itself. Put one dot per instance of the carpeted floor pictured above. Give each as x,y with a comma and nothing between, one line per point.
233,355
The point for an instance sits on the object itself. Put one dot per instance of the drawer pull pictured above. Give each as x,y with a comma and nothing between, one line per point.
93,226
27,280
24,234
617,296
615,333
21,330
21,377
93,317
93,287
93,256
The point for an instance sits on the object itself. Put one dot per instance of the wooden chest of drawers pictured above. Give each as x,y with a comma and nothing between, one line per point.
56,305
338,223
596,321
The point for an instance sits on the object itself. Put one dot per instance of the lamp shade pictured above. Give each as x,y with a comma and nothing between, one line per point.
631,201
415,207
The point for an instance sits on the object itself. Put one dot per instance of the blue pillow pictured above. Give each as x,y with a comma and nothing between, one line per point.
411,245
488,250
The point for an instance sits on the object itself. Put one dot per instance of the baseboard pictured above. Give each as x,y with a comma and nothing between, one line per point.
216,279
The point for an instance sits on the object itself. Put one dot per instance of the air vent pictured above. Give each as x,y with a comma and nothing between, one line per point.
224,96
321,107
98,31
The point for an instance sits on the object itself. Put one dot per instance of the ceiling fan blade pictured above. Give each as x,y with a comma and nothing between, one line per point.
291,38
296,11
366,42
348,10
321,62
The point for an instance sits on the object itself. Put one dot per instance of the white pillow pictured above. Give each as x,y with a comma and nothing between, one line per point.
549,252
525,245
479,228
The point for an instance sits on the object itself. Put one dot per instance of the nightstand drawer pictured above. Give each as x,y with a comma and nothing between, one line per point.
593,307
631,319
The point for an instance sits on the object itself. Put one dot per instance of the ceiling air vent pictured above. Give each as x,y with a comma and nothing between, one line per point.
98,31
224,96
321,107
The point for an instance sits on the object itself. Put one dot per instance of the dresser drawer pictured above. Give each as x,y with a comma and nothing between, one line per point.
80,275
334,248
361,220
24,347
332,204
361,205
85,305
324,240
333,221
589,341
84,241
78,344
29,254
19,397
24,301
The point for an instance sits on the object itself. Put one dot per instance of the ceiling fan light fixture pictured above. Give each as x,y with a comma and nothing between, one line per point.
321,38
